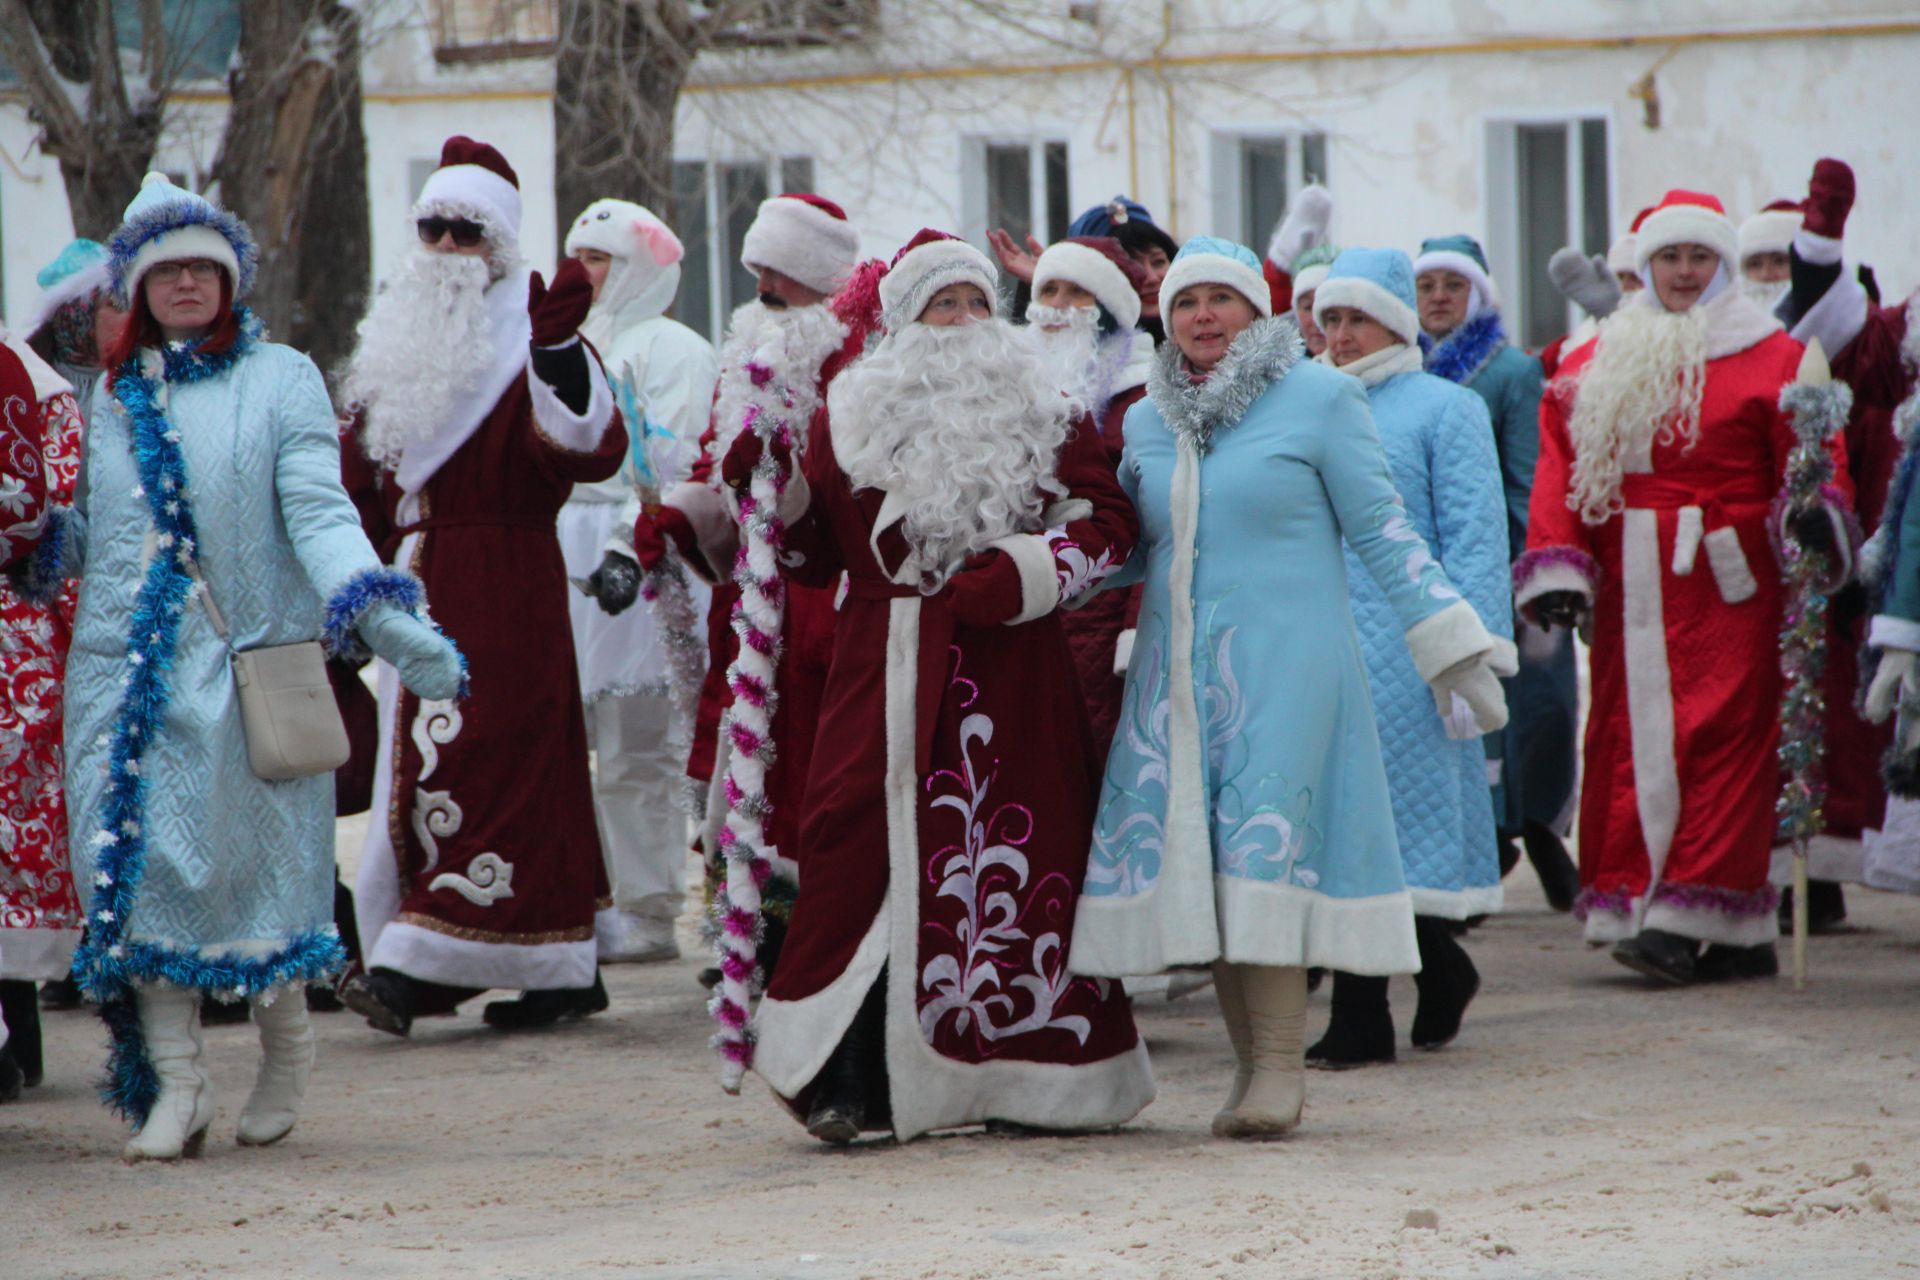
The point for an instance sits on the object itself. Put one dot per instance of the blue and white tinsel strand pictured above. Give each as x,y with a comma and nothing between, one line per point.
1461,355
360,593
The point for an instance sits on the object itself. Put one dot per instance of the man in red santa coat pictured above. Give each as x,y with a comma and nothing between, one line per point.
481,409
925,980
1663,448
781,352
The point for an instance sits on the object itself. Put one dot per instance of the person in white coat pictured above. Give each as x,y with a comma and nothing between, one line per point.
663,375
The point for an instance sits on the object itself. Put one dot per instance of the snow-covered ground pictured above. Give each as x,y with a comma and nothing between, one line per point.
1582,1126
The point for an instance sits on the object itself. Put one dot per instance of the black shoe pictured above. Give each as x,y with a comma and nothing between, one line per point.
322,998
20,1007
1723,963
11,1077
383,997
224,1013
1447,981
60,994
1509,845
711,977
544,1008
836,1121
1558,876
1666,957
1826,908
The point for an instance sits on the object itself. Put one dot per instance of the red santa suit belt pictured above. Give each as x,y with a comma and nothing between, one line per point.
1703,520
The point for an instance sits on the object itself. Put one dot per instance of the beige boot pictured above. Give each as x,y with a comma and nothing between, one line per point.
177,1123
1233,1007
1275,1000
286,1060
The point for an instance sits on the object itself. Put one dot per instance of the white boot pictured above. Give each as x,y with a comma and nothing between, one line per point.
177,1124
1233,1007
1275,1000
286,1061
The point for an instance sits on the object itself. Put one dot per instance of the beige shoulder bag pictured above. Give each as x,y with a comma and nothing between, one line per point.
287,710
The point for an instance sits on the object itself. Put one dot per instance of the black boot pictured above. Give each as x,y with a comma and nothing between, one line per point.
1508,843
1558,876
20,1007
1826,908
224,1013
1447,981
544,1008
1723,963
1666,957
60,994
1361,1030
852,1092
384,997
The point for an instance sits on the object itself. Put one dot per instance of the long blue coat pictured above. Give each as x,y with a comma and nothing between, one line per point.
1439,444
1245,814
234,865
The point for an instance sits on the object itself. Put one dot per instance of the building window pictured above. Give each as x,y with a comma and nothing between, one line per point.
492,30
713,205
1255,174
1021,185
1548,187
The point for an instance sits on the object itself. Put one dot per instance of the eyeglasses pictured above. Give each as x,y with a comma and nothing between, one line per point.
465,234
200,269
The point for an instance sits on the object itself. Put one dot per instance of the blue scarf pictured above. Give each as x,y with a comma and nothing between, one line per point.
1461,355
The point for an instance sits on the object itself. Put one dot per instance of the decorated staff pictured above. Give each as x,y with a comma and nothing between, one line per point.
1818,408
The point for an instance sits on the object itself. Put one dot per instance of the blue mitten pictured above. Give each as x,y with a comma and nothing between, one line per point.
426,660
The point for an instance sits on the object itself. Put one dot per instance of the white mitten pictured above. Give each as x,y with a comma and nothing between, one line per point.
1893,680
1304,226
1476,685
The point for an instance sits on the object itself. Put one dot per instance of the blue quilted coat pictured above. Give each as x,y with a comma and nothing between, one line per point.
1439,445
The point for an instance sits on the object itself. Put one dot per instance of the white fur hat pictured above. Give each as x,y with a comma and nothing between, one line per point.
476,179
1770,230
1092,265
623,229
804,237
1620,256
930,262
1211,260
1686,217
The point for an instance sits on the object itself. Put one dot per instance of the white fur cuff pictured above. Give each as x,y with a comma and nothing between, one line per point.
1889,632
1032,555
574,432
1446,639
1123,651
1553,577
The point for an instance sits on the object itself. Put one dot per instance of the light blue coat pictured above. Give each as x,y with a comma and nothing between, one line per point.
1439,444
233,864
1245,811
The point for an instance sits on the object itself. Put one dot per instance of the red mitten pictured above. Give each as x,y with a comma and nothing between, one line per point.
1829,198
986,592
743,455
650,534
557,312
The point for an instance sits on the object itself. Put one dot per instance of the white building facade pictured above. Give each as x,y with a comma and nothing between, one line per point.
1528,123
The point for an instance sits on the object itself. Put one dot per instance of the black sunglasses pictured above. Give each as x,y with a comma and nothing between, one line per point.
465,234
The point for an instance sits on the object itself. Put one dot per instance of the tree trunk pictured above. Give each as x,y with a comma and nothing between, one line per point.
617,77
336,258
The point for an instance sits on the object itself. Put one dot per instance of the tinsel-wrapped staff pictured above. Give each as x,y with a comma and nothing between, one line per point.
1818,407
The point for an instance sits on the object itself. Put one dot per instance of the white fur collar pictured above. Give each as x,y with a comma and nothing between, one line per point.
1387,362
791,346
1735,322
1139,365
509,331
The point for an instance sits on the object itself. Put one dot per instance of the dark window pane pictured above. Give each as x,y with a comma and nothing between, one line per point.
796,173
1596,202
1010,190
1059,208
742,188
1313,157
1540,171
1263,188
693,305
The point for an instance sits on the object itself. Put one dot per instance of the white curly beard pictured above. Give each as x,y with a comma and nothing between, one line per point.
424,342
1643,384
964,424
794,343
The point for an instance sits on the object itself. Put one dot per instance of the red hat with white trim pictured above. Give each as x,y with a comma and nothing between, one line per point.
804,237
925,265
1100,266
1686,217
1770,230
476,181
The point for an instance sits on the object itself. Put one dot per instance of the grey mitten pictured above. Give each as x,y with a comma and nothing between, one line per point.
427,662
1586,281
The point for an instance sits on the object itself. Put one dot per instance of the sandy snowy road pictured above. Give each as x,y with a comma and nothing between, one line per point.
1582,1126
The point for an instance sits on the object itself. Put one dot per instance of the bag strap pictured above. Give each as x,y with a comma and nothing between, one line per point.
214,615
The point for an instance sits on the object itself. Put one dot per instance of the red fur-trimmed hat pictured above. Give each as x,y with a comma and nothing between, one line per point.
1686,217
804,237
1770,230
476,179
926,264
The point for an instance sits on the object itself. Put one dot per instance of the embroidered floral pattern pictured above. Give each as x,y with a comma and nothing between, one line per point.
1420,566
1078,572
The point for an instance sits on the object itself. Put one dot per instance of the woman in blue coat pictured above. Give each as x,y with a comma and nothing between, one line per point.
210,495
1244,821
1439,444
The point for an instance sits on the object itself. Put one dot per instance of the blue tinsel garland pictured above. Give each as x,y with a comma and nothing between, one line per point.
125,244
1461,355
106,965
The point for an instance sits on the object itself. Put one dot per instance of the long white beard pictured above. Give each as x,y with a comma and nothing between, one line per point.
793,344
424,342
964,425
1765,293
1643,385
1068,340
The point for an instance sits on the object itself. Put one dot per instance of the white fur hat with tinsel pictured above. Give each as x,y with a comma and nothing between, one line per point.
804,237
166,223
1100,266
925,265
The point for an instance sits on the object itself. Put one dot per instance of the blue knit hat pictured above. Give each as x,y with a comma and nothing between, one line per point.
166,223
1211,260
1376,281
1460,254
80,269
1126,220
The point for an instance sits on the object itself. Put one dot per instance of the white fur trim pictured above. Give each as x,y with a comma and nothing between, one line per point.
1460,264
1728,561
61,292
794,1038
1446,639
715,531
1553,577
1813,247
802,241
183,244
1769,231
1358,291
1094,272
1605,926
1311,278
911,282
573,432
1504,660
1458,904
461,962
1123,651
1686,224
1837,318
47,382
1215,268
509,331
1620,257
1710,924
37,955
476,186
1829,857
1032,555
1889,632
1656,777
1689,527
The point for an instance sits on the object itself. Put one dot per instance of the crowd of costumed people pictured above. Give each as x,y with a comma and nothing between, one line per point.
1013,635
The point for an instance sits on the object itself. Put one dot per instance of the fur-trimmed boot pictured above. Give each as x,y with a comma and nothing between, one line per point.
1275,1000
286,1061
177,1123
1233,1008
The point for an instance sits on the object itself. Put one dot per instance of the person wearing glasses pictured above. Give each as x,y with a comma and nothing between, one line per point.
479,408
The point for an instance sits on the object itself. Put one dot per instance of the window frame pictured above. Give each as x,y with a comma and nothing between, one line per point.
1227,148
1499,189
723,255
974,204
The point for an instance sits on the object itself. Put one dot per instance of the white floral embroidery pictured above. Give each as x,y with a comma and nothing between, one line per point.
434,814
437,722
489,878
1079,573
